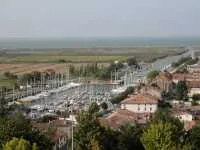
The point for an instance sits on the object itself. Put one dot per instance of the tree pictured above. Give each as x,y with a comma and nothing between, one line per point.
158,136
132,61
196,97
104,106
17,126
95,145
36,75
88,131
152,75
26,78
167,95
62,61
93,108
122,96
6,74
185,61
90,135
34,146
9,75
129,138
3,110
19,144
181,90
193,138
163,114
130,90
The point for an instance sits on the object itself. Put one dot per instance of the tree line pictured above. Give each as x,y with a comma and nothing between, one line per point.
100,71
16,131
185,61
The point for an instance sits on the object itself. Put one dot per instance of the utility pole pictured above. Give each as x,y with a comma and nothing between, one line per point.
72,130
13,93
1,92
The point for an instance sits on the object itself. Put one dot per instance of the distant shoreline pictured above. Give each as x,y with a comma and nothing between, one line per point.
117,42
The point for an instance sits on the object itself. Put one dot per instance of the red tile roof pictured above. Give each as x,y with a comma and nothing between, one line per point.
179,77
194,84
56,134
141,99
41,125
58,122
192,79
165,76
123,116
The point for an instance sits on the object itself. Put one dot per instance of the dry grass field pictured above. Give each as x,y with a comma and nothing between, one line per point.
23,68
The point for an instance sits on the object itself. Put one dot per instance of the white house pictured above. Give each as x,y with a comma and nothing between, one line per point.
194,91
184,116
141,103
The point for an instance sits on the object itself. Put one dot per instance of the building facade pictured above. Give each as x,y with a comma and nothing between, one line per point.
141,103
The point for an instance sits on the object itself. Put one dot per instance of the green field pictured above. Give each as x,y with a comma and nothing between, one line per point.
8,83
87,55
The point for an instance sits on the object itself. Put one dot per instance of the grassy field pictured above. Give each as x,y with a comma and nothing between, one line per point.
87,55
6,82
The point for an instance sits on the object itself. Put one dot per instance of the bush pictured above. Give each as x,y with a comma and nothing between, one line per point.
122,96
62,61
152,75
196,97
181,91
132,61
9,75
104,106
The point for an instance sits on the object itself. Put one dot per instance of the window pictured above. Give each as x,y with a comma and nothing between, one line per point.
139,107
150,109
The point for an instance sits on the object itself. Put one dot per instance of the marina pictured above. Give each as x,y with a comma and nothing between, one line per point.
62,94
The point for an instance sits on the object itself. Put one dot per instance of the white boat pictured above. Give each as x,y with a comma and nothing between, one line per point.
37,107
72,84
118,90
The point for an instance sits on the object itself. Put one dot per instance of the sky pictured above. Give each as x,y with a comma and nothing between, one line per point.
99,18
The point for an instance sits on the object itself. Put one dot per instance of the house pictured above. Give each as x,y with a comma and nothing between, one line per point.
192,81
122,116
137,109
184,116
189,125
193,68
194,87
164,81
154,91
141,103
60,134
179,77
